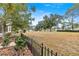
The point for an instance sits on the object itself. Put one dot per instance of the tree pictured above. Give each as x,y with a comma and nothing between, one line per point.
49,22
73,12
12,14
74,8
55,19
40,26
46,22
19,15
9,10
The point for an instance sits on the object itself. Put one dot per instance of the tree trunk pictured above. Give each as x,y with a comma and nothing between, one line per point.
63,27
3,32
72,23
50,29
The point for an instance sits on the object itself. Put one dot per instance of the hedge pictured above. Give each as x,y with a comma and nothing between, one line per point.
67,30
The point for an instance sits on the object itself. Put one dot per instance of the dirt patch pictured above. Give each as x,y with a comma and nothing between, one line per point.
10,51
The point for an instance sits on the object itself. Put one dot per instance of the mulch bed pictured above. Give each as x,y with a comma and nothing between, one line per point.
10,51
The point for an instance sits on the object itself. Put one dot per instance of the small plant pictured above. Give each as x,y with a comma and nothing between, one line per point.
6,40
20,43
24,31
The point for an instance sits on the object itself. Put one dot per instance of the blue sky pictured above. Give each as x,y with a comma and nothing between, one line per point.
48,8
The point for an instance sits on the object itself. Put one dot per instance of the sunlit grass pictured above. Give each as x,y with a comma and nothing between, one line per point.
66,43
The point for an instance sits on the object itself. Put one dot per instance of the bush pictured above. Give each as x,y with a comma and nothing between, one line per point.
67,30
8,34
24,31
20,42
6,40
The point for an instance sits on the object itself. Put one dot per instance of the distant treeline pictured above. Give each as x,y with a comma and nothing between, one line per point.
67,30
64,22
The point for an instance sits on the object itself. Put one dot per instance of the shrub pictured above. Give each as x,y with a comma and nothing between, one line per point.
24,31
67,30
6,40
20,42
8,33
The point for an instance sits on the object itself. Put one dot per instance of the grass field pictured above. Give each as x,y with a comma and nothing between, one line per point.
66,43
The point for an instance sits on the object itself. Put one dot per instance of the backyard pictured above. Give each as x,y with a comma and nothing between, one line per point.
27,28
65,43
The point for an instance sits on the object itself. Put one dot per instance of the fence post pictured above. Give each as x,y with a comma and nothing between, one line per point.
56,54
42,49
31,45
51,52
45,51
48,52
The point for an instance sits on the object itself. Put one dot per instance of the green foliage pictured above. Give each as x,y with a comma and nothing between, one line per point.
73,9
33,8
20,42
67,30
48,22
72,13
24,31
6,40
19,15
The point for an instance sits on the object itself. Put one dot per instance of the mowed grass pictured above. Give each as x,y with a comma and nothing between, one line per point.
66,43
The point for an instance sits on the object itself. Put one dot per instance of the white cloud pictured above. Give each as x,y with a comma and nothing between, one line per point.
36,21
57,5
47,5
39,18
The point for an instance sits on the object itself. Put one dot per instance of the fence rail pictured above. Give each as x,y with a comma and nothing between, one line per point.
39,49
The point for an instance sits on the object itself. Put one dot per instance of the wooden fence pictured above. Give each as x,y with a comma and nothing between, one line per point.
39,49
